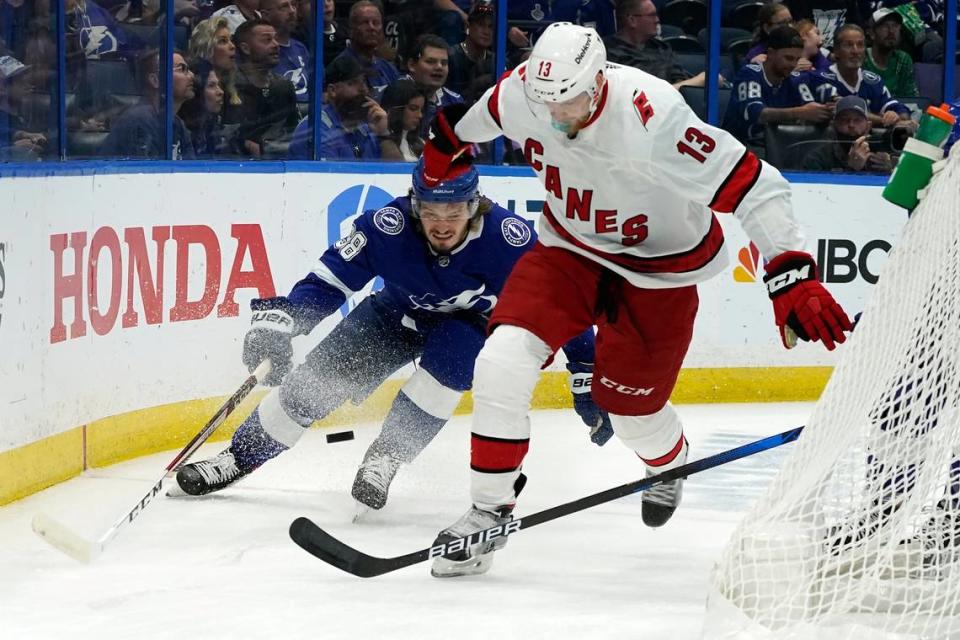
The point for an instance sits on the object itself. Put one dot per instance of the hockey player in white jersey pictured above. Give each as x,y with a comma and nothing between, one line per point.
633,181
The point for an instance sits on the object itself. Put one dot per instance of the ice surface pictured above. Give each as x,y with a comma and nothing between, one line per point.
223,566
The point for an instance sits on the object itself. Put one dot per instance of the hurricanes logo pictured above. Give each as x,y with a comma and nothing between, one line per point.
749,259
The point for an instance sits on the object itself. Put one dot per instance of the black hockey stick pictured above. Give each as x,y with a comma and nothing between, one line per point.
318,542
79,548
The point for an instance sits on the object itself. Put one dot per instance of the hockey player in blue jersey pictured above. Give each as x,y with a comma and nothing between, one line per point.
444,255
772,91
847,77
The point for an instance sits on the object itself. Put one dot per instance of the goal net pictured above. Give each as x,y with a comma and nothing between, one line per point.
859,534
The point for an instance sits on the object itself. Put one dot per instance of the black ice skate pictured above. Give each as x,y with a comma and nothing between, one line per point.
660,501
372,483
201,478
477,558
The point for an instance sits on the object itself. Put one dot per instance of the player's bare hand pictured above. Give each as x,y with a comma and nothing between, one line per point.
815,112
803,65
890,118
376,117
859,153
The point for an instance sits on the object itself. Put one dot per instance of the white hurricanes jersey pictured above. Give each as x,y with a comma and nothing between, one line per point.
637,188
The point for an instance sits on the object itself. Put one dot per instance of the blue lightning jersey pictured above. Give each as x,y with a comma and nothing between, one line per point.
417,281
752,93
827,84
294,59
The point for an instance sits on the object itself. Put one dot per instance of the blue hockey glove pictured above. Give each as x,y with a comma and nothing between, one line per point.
581,381
269,336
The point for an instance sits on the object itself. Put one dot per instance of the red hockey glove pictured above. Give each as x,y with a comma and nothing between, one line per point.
801,304
443,146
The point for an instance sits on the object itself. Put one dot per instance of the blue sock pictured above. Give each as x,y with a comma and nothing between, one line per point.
252,446
407,430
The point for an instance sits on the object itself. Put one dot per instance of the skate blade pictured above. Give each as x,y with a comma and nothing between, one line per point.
176,492
445,568
360,512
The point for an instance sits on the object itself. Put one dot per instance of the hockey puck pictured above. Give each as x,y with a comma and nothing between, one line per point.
343,436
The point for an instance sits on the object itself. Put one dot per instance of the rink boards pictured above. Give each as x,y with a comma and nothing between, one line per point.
124,297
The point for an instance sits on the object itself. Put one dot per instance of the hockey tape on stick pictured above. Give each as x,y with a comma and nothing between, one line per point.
69,542
321,544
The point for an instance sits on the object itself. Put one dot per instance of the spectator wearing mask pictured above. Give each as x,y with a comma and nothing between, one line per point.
139,131
203,113
895,67
351,122
636,45
366,38
268,105
428,65
815,57
849,149
769,17
16,141
847,77
473,58
211,41
238,13
294,57
772,91
404,104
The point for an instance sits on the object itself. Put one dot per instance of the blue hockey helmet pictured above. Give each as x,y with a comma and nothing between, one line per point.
461,184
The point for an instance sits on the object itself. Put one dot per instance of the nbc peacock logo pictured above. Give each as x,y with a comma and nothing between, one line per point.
749,259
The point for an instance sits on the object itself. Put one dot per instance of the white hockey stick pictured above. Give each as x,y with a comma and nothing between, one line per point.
79,548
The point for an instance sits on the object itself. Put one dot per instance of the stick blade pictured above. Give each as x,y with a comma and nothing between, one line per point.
321,544
63,538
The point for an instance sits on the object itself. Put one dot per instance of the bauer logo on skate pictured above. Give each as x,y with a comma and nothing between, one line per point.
460,544
93,277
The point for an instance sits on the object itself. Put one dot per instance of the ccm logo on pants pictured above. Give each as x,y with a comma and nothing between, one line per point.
624,389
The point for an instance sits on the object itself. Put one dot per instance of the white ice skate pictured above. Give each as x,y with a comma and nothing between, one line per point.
372,482
477,558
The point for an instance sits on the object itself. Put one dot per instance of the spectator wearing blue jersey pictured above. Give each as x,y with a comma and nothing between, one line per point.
955,134
847,77
351,122
366,38
444,254
428,66
829,15
294,61
772,92
138,132
96,32
849,148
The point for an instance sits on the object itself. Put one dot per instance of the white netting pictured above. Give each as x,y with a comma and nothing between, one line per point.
859,534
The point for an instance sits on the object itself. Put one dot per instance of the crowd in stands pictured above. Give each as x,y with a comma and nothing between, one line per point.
820,85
